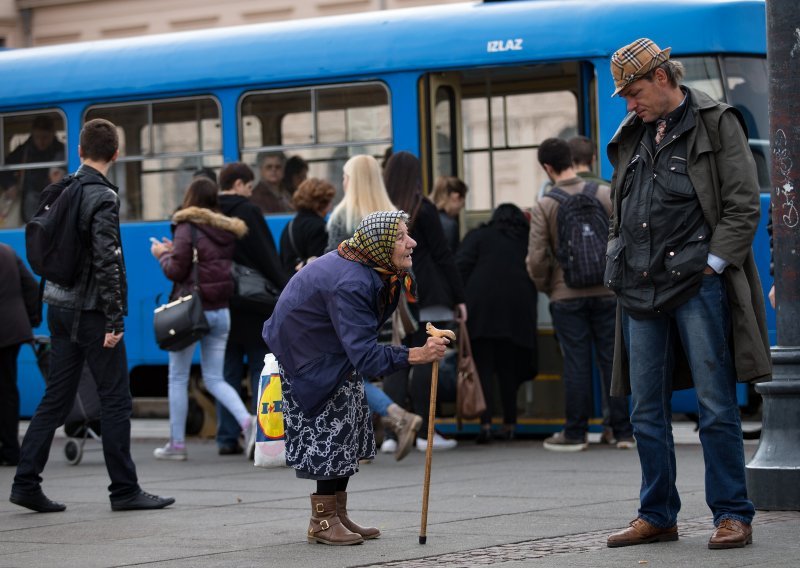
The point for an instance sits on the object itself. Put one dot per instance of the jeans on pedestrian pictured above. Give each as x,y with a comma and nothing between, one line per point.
703,328
109,367
580,325
377,400
228,428
212,361
9,405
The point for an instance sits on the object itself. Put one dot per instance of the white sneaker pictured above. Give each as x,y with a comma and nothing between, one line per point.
439,443
389,446
170,452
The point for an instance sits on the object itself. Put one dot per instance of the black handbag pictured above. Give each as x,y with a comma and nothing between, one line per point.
182,322
252,290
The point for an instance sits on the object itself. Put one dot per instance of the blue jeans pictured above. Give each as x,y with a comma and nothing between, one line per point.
377,400
581,323
235,353
212,360
702,326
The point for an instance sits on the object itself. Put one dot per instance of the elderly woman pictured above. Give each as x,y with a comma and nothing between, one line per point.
324,334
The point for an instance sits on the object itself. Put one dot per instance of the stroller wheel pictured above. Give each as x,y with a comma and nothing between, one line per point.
73,451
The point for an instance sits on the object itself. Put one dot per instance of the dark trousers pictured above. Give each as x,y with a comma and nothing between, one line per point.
581,324
109,368
9,405
228,429
510,364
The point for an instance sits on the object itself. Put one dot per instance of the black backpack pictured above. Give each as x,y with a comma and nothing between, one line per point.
53,243
582,228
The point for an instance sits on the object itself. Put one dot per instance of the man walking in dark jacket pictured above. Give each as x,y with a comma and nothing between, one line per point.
686,208
100,301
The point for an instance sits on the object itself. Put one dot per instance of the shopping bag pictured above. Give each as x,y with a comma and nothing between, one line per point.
270,442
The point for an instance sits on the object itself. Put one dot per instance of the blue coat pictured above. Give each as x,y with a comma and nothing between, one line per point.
325,326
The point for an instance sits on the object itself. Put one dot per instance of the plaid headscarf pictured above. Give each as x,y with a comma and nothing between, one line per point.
373,244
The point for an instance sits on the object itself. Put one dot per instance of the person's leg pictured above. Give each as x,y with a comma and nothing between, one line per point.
483,354
377,400
573,331
66,363
9,406
109,368
705,327
212,361
512,363
649,343
227,427
603,322
180,365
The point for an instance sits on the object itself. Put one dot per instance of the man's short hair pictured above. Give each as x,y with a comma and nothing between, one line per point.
555,153
99,140
674,71
583,150
233,171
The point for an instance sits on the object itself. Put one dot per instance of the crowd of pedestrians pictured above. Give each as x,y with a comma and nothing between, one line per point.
649,277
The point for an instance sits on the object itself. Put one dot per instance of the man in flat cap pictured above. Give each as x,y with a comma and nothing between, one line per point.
690,306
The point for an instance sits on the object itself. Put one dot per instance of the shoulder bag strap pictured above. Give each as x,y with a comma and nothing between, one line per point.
290,230
195,262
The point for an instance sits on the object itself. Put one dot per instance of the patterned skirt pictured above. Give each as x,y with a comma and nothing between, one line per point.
328,445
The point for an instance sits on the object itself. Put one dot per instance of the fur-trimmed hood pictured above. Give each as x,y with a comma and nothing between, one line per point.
203,216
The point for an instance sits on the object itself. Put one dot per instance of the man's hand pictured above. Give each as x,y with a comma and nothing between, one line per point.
433,350
112,339
772,296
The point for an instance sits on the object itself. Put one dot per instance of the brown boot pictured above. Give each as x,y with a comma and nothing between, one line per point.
326,527
405,427
730,533
341,509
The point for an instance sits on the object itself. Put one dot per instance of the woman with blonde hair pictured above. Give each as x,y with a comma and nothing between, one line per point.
364,193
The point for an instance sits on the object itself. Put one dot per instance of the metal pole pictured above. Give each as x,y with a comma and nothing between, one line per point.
773,475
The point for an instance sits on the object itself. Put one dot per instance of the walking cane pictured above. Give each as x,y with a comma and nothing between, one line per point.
432,331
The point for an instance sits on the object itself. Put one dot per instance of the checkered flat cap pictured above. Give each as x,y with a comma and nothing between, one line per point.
634,61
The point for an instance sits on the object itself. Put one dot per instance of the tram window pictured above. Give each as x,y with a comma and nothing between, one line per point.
324,125
703,73
161,144
444,150
32,154
500,162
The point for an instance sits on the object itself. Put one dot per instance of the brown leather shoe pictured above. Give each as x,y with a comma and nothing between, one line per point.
326,527
731,533
341,510
642,532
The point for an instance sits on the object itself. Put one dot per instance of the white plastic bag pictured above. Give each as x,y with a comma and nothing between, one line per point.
270,442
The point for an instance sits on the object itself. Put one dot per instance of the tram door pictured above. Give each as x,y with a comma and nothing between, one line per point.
485,126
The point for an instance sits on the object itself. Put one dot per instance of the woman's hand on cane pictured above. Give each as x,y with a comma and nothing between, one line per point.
433,350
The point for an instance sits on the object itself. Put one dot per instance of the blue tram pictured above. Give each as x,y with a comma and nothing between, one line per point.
471,88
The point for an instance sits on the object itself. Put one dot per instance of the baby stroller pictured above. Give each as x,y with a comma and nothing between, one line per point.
83,420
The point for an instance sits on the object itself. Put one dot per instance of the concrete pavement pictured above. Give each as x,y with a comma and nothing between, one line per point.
508,504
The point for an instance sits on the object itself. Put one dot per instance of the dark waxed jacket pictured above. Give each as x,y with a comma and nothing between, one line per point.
107,286
663,241
19,299
216,235
723,174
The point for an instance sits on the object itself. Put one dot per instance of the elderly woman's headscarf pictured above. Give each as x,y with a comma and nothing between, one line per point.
373,245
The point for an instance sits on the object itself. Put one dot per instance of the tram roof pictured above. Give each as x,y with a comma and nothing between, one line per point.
435,37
